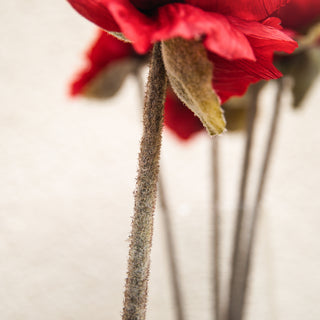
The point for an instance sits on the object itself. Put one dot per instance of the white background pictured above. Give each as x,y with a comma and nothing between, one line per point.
68,169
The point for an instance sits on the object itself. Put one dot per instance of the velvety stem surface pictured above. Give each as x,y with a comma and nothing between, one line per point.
135,297
238,253
168,228
254,217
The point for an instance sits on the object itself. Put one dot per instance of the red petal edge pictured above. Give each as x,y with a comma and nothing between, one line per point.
104,50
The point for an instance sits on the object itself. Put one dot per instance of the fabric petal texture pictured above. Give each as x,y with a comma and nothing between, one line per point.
245,9
232,77
300,14
97,12
240,37
236,34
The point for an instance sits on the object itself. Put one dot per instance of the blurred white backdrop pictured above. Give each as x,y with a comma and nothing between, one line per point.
68,171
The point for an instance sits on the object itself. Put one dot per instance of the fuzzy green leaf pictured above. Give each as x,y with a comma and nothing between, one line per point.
190,74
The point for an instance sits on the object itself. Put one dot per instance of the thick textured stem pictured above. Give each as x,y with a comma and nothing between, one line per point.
135,296
253,222
238,254
216,229
170,243
174,273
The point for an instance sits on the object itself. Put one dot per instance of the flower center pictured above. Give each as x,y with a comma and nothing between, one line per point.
147,6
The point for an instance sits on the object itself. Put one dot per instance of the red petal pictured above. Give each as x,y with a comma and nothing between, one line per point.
268,34
227,38
105,50
300,14
179,119
233,77
244,9
97,12
172,20
180,20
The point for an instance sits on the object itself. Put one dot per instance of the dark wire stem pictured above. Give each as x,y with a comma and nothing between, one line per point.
254,218
170,243
234,307
216,228
174,273
136,288
137,73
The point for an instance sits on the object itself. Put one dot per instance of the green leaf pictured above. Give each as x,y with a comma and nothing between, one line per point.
190,74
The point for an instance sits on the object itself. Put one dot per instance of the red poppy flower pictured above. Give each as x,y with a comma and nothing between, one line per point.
300,14
239,36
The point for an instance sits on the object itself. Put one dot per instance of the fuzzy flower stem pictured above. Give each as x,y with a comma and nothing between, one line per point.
170,243
177,292
254,218
238,254
216,229
135,296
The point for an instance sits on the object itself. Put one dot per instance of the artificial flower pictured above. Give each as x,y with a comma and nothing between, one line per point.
238,37
109,60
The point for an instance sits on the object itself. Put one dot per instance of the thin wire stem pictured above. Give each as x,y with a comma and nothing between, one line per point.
252,229
234,306
171,250
216,228
135,296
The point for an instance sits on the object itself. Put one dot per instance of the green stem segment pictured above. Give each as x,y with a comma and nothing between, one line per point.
135,296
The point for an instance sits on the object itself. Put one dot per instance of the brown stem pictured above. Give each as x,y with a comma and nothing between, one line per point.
237,258
135,296
174,270
256,208
171,252
216,229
